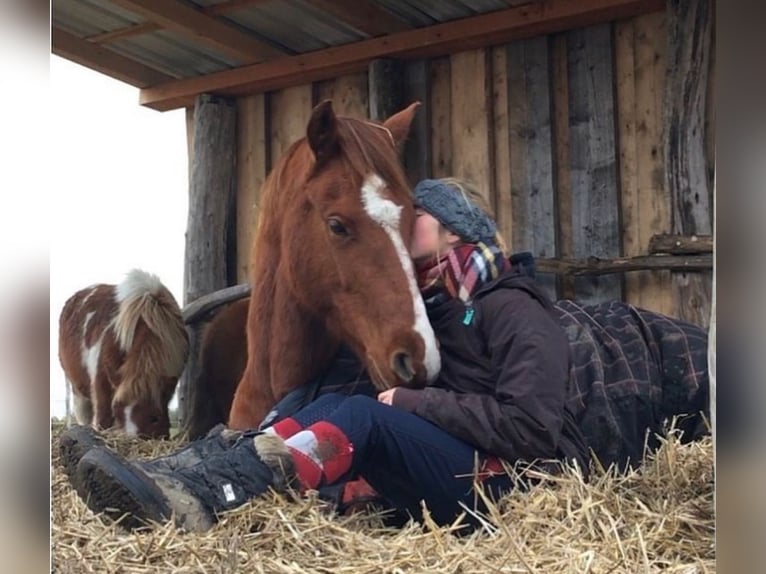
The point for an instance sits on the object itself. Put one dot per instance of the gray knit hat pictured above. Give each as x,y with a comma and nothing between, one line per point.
455,211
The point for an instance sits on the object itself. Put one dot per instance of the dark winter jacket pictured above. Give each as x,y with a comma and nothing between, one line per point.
503,385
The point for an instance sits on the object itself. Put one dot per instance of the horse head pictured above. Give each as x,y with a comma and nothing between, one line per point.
330,264
359,275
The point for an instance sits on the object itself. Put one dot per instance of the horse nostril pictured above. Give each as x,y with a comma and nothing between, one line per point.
402,365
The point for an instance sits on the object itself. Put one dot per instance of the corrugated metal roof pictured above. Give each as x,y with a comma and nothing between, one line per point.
244,46
297,26
293,26
87,18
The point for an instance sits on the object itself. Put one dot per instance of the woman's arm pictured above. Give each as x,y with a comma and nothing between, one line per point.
530,356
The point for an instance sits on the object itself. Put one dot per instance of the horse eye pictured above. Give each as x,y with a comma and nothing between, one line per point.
337,227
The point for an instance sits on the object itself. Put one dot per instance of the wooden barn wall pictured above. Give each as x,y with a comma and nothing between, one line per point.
563,133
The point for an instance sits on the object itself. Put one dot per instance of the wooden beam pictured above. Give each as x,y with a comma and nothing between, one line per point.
363,15
592,266
121,33
105,60
474,32
217,34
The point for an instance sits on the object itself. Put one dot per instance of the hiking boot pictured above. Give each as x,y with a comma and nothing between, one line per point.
192,496
78,440
74,443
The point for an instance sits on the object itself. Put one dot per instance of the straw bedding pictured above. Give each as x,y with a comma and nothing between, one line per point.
660,517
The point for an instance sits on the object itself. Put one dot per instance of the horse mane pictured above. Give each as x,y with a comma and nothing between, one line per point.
149,329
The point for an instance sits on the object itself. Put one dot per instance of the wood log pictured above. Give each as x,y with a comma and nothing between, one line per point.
210,258
202,307
681,244
593,266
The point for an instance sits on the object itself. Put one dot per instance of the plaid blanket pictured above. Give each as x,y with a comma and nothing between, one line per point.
633,370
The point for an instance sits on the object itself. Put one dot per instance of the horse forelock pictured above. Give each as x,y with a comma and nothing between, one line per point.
370,150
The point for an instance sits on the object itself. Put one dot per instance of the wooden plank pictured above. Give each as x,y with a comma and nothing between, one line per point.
441,110
363,15
289,115
529,118
563,185
212,188
417,147
104,60
502,152
686,163
216,34
681,244
640,68
348,94
385,88
251,173
470,119
464,34
592,157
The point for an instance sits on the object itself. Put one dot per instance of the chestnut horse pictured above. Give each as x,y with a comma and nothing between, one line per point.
330,264
222,358
122,348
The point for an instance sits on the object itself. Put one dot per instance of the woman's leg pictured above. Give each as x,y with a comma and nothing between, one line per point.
315,411
405,458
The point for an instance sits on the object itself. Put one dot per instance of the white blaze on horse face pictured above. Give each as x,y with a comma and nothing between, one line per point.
387,214
131,428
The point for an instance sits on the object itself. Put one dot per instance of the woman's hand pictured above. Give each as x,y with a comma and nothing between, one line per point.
387,397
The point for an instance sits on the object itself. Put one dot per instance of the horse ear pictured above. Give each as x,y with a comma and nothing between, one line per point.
399,123
322,132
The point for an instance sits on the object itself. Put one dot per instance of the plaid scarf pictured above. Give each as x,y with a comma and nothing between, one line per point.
461,272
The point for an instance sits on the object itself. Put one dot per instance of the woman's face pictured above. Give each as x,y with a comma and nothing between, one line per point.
429,238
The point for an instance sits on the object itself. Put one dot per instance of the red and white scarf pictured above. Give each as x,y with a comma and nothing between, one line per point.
461,271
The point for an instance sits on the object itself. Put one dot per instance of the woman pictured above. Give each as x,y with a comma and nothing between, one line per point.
502,395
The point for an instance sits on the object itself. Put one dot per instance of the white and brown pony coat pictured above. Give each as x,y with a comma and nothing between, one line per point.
122,348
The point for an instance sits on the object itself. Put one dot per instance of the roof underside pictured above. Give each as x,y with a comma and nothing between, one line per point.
175,49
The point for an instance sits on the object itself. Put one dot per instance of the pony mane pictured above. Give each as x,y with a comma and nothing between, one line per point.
163,348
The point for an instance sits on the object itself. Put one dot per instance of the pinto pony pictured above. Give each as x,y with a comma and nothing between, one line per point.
330,264
122,348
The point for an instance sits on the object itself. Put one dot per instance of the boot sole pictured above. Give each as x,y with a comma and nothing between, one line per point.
74,443
120,490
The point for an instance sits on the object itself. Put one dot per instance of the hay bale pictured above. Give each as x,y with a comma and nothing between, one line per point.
660,517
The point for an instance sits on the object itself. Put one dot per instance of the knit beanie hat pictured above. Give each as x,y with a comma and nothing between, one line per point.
455,211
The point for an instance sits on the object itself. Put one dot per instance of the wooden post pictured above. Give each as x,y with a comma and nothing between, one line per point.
687,166
210,258
532,191
385,82
417,149
593,157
